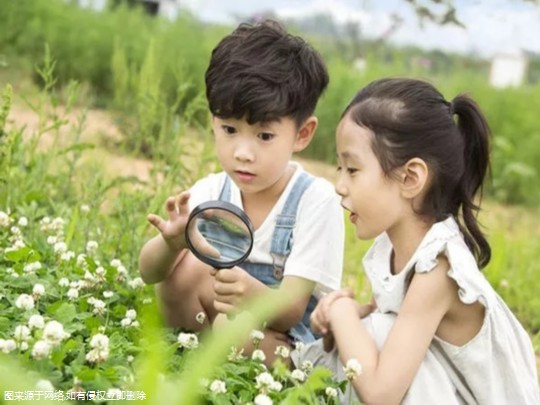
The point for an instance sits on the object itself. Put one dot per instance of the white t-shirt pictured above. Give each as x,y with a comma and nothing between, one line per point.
317,251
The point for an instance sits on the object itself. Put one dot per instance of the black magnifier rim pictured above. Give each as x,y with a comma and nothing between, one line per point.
225,206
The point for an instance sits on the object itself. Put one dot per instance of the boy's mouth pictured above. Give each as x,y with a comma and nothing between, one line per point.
352,216
244,176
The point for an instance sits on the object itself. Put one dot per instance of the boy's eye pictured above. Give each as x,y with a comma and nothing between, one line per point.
266,136
228,129
338,168
350,170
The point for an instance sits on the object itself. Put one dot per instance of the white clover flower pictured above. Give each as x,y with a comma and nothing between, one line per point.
85,208
256,336
44,385
130,358
30,268
100,341
218,387
23,346
188,340
282,351
23,221
91,247
352,369
264,381
36,322
262,399
121,270
15,231
5,220
135,324
116,263
22,333
25,301
99,307
38,290
97,356
101,329
54,332
73,294
235,354
124,323
60,247
147,301
52,240
63,282
299,346
41,350
107,294
7,346
131,314
100,271
276,386
200,317
67,256
137,283
307,366
58,224
298,375
258,355
331,392
81,261
89,276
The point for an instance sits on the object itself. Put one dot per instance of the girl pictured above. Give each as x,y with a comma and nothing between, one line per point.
410,166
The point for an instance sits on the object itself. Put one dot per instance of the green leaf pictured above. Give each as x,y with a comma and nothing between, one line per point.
65,313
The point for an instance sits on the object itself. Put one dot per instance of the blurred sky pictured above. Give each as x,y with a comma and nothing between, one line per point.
493,26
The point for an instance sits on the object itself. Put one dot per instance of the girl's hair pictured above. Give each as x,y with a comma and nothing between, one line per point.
410,118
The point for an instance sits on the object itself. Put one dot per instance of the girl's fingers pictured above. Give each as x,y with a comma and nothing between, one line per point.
157,222
183,206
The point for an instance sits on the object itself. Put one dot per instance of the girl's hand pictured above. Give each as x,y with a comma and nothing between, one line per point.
320,320
232,287
173,230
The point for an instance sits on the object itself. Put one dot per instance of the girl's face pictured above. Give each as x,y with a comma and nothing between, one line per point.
373,199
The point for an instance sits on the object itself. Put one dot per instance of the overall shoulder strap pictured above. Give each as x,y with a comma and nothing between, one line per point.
282,238
225,194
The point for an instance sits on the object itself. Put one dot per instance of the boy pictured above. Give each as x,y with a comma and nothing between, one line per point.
262,86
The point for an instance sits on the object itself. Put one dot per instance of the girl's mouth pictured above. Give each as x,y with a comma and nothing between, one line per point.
353,217
244,177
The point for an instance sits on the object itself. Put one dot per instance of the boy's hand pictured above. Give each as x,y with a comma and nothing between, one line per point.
173,230
232,287
320,319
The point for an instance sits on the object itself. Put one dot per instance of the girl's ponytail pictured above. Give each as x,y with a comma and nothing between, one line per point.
475,131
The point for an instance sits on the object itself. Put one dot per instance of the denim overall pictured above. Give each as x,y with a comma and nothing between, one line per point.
272,274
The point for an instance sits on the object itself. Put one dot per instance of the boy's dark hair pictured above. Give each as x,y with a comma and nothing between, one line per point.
410,118
262,73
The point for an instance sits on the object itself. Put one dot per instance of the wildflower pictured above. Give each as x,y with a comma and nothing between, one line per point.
36,322
15,231
11,272
5,220
276,386
130,358
298,375
57,225
30,268
63,282
60,247
135,324
137,283
73,294
85,208
107,294
54,332
352,369
282,351
188,340
116,263
258,355
131,314
200,317
218,387
299,346
7,346
331,392
67,256
235,354
99,306
307,366
38,290
264,381
91,247
124,323
81,261
100,273
147,301
262,399
100,349
256,336
23,221
41,349
44,385
22,333
25,301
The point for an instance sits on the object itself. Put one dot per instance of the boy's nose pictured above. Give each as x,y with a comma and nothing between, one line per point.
243,153
340,188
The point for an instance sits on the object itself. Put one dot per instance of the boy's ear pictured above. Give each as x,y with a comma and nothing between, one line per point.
305,134
414,178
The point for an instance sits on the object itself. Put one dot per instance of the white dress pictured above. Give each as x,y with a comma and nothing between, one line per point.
496,367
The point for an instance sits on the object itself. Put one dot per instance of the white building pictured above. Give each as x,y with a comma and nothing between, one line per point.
508,69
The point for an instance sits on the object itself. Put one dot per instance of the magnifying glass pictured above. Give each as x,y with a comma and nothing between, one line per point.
219,234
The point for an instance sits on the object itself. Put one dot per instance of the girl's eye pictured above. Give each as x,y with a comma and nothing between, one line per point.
228,129
266,136
351,170
338,168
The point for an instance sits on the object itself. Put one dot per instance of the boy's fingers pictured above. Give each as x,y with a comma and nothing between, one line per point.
183,207
156,221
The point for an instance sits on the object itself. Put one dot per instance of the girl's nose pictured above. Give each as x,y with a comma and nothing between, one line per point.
340,188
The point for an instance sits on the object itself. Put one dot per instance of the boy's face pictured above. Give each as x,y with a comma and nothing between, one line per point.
256,156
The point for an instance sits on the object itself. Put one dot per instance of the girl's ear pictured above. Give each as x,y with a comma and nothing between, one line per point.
414,178
305,134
